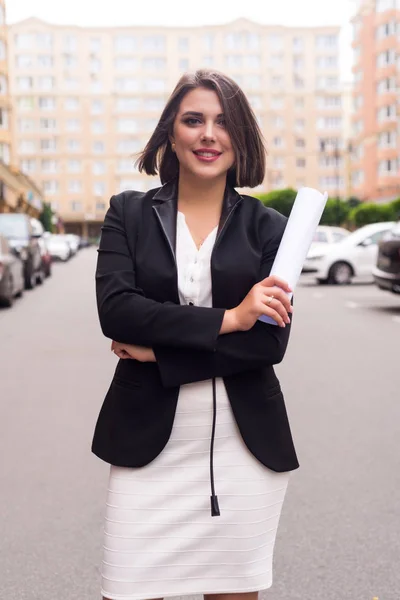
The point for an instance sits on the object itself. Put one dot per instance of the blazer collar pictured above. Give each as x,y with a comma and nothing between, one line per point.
165,203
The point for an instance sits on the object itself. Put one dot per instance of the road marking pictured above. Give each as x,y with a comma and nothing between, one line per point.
350,304
396,319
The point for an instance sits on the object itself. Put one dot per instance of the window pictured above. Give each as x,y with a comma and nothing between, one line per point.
74,166
208,41
5,152
73,145
129,104
330,161
95,45
320,236
252,82
27,147
357,178
298,44
183,64
49,124
28,165
127,84
299,124
71,104
233,61
125,165
386,58
385,30
276,61
99,188
255,101
99,167
4,118
328,102
2,15
97,107
76,206
277,142
333,182
388,167
253,41
95,65
298,63
129,184
300,163
300,143
208,61
154,85
71,83
277,81
47,103
24,61
299,102
275,41
384,5
50,186
75,186
277,122
46,83
24,83
183,44
326,41
127,125
44,40
154,104
26,125
98,147
128,146
98,127
298,82
253,61
277,102
327,82
48,145
45,61
387,139
329,123
154,64
386,85
24,41
125,44
279,162
125,63
49,166
70,43
100,207
96,86
327,62
154,43
387,113
73,125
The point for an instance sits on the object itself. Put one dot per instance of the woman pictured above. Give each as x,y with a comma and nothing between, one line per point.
194,409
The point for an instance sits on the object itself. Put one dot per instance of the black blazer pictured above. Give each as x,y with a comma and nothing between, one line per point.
138,303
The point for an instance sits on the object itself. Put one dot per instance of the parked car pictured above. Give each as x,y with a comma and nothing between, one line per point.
387,271
12,281
58,247
351,259
17,228
324,234
39,232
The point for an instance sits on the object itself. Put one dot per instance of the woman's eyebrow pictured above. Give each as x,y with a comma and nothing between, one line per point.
198,114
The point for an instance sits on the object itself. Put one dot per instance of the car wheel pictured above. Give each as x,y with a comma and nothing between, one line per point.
8,299
340,273
40,276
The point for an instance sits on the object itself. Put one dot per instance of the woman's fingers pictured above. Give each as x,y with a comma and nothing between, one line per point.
272,280
280,296
279,310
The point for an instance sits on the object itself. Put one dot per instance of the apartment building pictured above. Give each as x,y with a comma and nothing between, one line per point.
87,99
376,107
17,191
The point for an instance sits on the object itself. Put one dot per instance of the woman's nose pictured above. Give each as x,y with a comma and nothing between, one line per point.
208,132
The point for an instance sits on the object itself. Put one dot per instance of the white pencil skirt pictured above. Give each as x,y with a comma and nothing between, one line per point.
160,539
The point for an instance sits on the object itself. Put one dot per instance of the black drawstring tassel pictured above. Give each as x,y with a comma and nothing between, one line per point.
214,499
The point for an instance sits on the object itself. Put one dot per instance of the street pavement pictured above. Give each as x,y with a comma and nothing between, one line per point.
339,537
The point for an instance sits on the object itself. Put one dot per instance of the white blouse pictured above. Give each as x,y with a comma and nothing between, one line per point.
194,275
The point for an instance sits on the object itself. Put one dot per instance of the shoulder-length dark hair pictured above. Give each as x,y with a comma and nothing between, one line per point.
240,121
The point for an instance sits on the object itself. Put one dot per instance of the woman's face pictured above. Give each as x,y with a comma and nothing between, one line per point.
202,144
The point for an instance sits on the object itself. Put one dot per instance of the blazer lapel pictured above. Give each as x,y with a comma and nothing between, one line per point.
165,206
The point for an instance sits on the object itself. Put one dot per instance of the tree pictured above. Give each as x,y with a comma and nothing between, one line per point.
45,217
280,200
335,212
368,213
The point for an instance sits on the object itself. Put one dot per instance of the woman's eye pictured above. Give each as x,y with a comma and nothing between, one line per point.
192,121
222,123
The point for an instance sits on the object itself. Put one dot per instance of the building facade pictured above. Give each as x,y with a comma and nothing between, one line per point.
376,106
87,99
17,191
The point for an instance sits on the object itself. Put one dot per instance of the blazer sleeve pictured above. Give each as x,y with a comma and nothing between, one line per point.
235,352
124,312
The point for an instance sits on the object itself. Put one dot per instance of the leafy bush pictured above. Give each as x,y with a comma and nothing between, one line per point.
336,212
280,200
372,213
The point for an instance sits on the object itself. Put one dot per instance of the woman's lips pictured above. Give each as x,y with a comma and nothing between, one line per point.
207,156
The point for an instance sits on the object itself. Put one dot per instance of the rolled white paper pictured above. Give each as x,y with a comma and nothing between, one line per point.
297,238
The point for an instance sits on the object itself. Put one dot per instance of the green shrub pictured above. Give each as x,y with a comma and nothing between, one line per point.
372,213
336,212
280,200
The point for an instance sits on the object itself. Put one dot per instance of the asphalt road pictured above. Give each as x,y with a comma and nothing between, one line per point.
340,534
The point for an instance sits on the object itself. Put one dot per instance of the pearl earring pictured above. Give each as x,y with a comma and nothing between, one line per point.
173,146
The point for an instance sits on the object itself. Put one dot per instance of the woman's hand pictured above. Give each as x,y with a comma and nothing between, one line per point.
130,351
268,297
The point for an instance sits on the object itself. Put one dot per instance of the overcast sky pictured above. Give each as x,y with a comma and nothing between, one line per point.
186,13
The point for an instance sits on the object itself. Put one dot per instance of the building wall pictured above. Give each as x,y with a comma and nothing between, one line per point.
376,133
87,99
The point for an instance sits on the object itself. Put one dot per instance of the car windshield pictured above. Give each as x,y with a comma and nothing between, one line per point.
12,226
361,234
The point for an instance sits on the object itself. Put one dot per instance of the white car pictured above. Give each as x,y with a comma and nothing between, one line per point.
352,258
58,247
324,234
